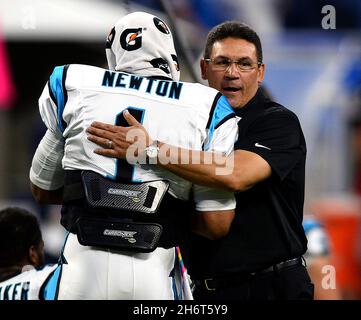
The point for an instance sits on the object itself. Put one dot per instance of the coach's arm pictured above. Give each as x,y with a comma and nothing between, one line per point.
237,172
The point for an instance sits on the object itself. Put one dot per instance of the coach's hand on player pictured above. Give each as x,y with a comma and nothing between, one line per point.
118,141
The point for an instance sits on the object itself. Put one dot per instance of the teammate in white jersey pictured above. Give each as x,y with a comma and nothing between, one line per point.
65,167
21,249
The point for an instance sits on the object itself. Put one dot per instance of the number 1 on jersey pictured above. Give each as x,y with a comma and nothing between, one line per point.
124,170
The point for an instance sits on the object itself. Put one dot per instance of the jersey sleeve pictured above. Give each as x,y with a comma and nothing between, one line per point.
222,133
222,128
208,199
53,99
46,170
277,137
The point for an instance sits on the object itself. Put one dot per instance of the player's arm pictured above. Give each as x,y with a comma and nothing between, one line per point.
214,211
212,224
46,173
42,196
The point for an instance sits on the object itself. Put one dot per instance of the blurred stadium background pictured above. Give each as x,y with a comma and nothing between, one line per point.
316,72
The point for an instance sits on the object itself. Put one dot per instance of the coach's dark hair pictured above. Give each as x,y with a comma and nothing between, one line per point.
19,230
233,29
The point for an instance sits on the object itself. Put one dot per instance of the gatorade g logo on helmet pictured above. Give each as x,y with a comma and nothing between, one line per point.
131,39
161,26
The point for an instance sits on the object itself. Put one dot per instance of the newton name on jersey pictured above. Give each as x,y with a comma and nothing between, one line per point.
162,88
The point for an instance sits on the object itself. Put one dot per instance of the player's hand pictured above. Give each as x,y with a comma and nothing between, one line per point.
117,141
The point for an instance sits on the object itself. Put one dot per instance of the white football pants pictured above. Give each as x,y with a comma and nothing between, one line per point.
91,273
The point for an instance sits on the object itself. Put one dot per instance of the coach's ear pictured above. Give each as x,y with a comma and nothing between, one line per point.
260,74
204,67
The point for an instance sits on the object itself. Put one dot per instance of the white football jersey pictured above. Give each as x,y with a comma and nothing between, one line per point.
28,285
188,115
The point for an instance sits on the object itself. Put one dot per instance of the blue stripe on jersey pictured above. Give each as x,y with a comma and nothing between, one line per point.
51,288
62,259
310,224
57,87
221,111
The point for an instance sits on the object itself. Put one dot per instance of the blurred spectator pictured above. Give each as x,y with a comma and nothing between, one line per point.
318,260
341,217
21,242
21,250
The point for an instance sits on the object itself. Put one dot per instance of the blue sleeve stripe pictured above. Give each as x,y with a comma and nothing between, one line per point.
51,93
211,113
221,112
58,92
51,288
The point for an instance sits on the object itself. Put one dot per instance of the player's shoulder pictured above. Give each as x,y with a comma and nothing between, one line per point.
79,71
76,75
77,67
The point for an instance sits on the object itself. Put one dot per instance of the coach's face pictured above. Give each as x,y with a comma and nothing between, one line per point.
238,85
